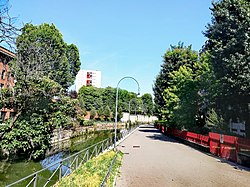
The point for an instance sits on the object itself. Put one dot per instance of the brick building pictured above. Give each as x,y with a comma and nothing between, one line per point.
6,78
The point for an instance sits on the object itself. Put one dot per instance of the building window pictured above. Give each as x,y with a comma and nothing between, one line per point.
3,74
89,82
89,74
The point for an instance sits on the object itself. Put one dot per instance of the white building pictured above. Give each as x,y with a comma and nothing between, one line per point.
88,78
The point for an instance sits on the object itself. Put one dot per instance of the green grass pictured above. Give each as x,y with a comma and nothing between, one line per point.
92,172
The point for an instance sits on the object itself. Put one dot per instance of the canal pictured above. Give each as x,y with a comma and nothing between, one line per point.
12,171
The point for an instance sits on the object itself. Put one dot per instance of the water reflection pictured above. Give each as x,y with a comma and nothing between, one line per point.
52,160
15,170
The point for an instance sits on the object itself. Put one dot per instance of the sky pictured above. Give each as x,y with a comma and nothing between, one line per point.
121,38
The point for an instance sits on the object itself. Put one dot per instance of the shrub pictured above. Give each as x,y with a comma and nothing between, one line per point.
88,123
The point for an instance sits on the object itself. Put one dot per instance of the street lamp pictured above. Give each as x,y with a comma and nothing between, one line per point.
116,101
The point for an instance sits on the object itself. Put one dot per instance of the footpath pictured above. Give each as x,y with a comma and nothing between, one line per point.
152,159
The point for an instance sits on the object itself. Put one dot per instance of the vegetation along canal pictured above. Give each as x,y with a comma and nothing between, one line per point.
12,171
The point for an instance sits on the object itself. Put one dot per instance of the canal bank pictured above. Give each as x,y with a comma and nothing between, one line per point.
11,171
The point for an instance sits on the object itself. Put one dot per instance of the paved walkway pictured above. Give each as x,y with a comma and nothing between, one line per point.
152,159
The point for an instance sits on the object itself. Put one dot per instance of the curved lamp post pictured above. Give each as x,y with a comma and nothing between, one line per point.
116,101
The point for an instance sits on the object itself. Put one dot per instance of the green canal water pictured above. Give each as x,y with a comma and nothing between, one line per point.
15,170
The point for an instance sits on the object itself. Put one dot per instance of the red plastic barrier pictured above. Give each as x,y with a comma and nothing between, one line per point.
228,148
198,138
190,136
220,145
177,133
214,143
162,129
243,145
223,146
169,131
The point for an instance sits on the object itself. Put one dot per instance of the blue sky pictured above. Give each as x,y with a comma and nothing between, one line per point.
121,38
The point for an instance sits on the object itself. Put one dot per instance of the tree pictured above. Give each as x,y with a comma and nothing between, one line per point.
37,114
72,54
91,96
8,31
107,112
37,98
148,105
92,113
228,43
99,98
47,54
215,122
174,57
108,98
184,98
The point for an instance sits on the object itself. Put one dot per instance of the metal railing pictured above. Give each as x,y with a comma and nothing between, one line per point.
56,171
122,135
104,182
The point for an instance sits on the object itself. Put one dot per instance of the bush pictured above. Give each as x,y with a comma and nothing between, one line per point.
88,123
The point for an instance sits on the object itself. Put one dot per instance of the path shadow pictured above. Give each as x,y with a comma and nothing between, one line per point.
147,127
162,138
232,164
149,130
156,134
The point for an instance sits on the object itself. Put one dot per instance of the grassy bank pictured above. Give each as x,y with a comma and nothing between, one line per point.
92,172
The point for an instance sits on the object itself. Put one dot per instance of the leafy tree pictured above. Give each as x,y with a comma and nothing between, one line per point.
92,113
228,43
91,97
174,57
215,122
148,105
46,54
72,54
37,114
108,98
158,88
185,96
107,112
99,98
38,97
100,113
134,102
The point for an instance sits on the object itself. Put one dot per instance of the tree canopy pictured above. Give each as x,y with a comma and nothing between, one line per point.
228,44
148,105
41,51
103,101
174,57
184,79
42,71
